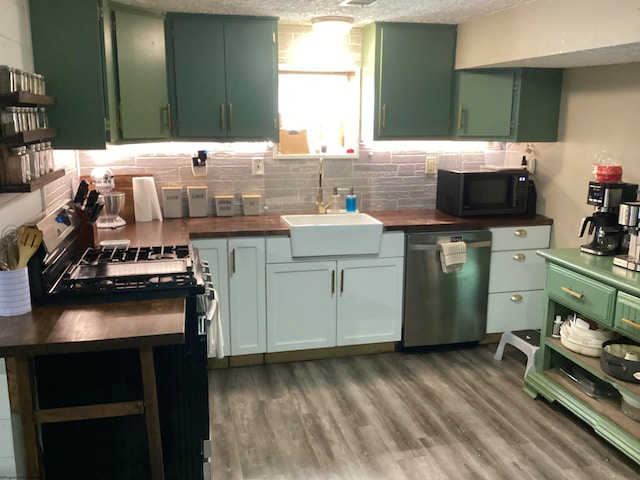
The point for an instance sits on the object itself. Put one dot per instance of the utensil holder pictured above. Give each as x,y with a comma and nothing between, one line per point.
15,296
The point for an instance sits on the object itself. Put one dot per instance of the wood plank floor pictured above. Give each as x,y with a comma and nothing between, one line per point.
454,414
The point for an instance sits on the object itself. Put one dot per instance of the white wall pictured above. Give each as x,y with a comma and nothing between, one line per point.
552,33
600,110
15,50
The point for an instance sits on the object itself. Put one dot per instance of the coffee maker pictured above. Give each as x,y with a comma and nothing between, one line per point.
608,234
629,218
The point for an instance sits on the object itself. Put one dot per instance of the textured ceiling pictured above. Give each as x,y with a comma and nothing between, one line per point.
301,11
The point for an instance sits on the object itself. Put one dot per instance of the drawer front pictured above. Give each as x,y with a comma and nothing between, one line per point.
627,317
515,311
520,238
516,270
588,297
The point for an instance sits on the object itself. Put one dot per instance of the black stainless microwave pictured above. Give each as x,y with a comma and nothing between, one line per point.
482,192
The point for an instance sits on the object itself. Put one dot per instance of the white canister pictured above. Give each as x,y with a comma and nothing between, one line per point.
197,198
172,202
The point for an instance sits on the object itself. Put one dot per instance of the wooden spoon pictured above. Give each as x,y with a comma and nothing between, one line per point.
29,239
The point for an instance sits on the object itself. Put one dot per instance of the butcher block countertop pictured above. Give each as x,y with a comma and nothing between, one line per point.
81,328
180,231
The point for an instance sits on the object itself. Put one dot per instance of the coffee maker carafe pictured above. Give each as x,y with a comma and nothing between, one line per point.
608,235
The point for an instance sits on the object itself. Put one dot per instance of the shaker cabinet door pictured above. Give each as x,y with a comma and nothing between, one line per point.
199,76
251,78
485,101
142,75
415,77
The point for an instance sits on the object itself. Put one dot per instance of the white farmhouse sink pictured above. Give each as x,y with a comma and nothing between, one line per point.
333,234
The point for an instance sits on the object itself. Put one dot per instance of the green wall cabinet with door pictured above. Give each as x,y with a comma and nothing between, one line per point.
224,76
69,50
518,105
407,80
143,105
109,80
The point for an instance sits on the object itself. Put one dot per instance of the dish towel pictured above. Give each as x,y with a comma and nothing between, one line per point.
452,256
215,337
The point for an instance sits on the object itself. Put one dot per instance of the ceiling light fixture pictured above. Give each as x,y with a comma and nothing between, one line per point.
332,25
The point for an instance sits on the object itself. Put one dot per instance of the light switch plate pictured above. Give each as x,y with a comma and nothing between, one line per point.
431,165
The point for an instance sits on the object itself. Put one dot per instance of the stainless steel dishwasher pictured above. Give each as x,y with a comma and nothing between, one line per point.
445,308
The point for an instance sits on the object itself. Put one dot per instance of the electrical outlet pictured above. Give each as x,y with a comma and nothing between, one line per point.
258,166
431,165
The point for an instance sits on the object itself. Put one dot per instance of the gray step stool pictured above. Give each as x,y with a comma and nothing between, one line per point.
527,341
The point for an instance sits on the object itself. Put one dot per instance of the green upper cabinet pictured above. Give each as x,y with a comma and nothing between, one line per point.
68,49
519,105
407,80
224,76
142,75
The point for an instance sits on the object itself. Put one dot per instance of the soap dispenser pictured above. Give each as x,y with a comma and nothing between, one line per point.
351,201
334,205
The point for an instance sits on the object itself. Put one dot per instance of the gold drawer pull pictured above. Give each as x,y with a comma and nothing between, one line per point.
516,298
630,322
520,233
519,257
579,296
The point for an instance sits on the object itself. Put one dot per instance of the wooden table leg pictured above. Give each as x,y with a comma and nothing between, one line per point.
151,414
24,387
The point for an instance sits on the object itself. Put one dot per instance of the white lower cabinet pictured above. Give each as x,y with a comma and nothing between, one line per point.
517,278
238,275
328,302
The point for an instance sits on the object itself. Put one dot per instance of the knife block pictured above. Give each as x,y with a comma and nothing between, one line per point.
87,232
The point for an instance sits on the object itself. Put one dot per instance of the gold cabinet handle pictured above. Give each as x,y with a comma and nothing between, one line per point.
230,116
341,282
516,298
384,116
519,257
168,108
223,120
577,295
333,282
520,233
460,117
630,322
233,261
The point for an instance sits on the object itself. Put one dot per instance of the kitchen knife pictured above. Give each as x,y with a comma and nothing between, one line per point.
81,193
95,211
91,200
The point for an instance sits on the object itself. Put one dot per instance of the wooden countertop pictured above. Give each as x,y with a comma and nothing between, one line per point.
81,328
179,231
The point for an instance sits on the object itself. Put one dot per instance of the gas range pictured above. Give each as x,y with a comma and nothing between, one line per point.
68,269
133,272
64,271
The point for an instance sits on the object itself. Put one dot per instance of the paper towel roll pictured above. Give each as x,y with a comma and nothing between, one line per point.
145,199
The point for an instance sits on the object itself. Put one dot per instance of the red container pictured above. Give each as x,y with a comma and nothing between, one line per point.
608,173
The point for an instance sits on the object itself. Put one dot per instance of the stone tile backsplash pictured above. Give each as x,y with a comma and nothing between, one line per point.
382,180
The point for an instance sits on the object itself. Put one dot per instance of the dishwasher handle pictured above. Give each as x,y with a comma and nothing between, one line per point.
417,247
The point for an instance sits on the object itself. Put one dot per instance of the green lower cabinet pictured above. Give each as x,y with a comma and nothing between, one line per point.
592,287
508,104
224,77
141,74
407,80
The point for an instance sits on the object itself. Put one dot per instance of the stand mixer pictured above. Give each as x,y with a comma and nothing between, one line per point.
629,217
608,235
113,201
